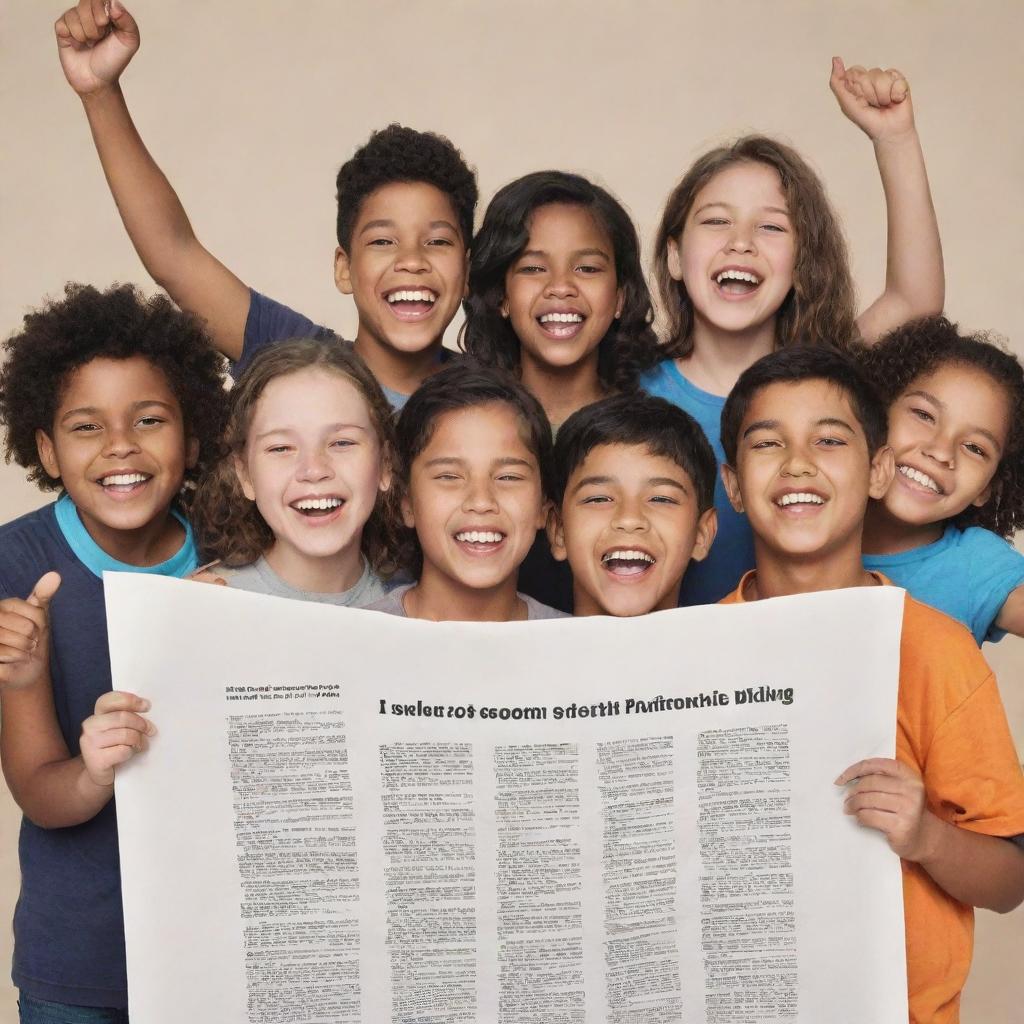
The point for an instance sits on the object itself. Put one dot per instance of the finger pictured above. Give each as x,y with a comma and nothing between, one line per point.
120,700
114,720
93,33
100,14
17,644
116,738
62,32
891,803
43,591
871,766
74,26
883,821
25,625
837,79
12,656
900,86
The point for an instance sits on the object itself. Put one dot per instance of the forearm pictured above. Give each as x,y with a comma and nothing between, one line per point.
914,278
59,794
153,216
979,870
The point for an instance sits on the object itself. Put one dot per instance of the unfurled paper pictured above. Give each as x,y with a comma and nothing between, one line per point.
352,817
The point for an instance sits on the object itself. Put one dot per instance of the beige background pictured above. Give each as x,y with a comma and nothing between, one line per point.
251,106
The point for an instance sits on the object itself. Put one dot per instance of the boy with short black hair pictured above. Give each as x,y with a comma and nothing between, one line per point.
405,219
633,503
804,438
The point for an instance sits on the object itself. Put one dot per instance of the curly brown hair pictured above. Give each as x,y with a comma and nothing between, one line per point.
228,525
86,324
919,348
819,308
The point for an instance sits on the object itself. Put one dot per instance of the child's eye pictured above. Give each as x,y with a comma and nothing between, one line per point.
149,421
511,477
832,442
343,442
588,268
446,476
278,449
381,242
976,449
774,227
714,221
663,499
440,241
530,268
84,428
765,444
595,499
922,414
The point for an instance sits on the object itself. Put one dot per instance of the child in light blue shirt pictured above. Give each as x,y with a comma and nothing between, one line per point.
955,425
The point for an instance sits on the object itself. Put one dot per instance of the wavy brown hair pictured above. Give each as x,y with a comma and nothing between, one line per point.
819,308
228,525
921,347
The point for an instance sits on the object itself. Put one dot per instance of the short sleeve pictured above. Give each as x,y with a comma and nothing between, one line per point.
996,569
269,322
972,773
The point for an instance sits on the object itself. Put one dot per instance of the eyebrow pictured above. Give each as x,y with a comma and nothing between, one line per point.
942,405
452,460
575,255
331,429
825,421
92,410
730,206
654,481
387,223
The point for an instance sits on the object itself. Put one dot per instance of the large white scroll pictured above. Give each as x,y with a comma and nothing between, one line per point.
350,817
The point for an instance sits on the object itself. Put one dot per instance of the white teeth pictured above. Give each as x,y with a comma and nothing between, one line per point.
627,554
422,295
920,478
122,479
561,318
737,275
317,503
479,537
800,498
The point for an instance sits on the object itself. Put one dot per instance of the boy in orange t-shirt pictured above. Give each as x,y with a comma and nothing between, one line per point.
804,440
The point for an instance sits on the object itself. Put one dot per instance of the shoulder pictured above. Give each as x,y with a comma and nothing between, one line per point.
938,655
268,322
391,603
661,380
30,546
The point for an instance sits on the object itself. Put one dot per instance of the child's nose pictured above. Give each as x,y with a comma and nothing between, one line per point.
629,515
120,442
480,497
313,466
561,284
412,258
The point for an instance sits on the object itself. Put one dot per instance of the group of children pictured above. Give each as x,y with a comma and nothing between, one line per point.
568,462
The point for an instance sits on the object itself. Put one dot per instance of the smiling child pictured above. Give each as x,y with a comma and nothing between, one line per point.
405,218
956,426
475,452
115,401
634,492
804,434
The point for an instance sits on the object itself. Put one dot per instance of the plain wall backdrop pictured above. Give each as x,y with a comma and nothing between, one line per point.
251,107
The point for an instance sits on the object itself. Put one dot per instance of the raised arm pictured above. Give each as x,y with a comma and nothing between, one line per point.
1011,615
879,103
95,43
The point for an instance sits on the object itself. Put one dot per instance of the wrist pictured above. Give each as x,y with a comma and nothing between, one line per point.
929,840
93,789
104,93
896,141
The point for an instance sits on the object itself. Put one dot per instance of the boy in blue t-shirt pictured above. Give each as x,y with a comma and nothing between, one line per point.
405,219
115,401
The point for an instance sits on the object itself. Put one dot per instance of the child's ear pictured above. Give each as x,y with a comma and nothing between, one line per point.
47,454
387,477
673,259
707,529
619,301
407,517
984,497
732,487
342,271
556,535
503,308
244,480
883,469
544,515
191,452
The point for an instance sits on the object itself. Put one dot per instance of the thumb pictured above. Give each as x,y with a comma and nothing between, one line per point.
43,591
124,24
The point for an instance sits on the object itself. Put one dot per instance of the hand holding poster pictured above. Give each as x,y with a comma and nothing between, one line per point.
584,820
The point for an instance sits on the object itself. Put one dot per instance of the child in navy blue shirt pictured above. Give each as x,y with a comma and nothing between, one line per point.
114,401
956,424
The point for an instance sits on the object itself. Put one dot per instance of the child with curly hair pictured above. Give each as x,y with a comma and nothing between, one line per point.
301,506
956,425
115,401
405,218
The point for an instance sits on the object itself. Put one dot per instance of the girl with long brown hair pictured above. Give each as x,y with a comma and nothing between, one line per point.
750,257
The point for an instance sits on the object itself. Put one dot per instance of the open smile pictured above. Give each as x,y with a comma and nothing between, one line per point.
480,542
561,325
411,304
919,483
124,485
800,503
320,508
628,564
735,283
